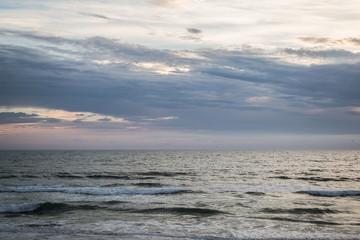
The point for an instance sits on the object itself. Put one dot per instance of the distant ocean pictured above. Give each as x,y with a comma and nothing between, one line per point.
180,195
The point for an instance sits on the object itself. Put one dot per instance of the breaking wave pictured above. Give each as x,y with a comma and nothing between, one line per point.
18,208
324,193
182,211
58,208
299,211
91,190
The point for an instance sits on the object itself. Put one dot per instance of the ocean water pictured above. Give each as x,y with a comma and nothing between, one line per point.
180,195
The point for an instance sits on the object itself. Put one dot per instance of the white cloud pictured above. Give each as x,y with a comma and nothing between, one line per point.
162,68
63,115
257,100
161,118
268,24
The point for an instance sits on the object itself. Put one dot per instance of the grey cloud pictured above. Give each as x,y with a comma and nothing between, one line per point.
20,117
191,38
316,53
165,3
343,41
194,30
116,20
12,117
78,121
30,78
355,41
211,96
105,120
95,15
314,40
261,121
33,35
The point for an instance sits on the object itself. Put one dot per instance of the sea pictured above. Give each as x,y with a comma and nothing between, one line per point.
170,195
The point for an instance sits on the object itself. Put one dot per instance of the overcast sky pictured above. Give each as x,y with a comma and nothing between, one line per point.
179,74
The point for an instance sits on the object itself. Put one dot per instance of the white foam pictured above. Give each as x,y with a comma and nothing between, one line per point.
334,193
102,191
265,188
88,190
16,208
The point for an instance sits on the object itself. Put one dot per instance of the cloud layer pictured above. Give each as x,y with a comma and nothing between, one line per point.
196,85
108,77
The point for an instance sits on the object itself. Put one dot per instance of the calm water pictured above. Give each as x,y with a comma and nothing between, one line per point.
179,194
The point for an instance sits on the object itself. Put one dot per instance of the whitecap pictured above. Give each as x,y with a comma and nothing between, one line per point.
340,193
17,208
90,190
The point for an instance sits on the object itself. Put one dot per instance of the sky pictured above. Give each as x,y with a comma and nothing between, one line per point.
180,74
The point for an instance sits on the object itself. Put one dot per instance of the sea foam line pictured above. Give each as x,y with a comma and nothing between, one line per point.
89,190
17,208
329,193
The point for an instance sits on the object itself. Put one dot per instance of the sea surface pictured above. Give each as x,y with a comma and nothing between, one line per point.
179,195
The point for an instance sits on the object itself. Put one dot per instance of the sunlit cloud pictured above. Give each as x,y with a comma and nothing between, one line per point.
162,69
61,115
161,118
354,110
257,100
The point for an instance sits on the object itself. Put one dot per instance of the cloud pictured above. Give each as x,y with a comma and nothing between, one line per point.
35,35
161,118
207,89
165,3
320,56
42,117
138,71
20,117
329,41
257,100
191,38
194,30
322,53
104,120
95,15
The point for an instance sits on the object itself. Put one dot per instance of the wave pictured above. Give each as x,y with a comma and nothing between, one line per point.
255,193
282,177
299,211
63,207
90,190
8,176
67,175
43,208
324,179
18,208
181,211
16,176
128,175
148,184
318,222
29,176
164,174
35,225
318,179
114,202
324,193
105,176
58,208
